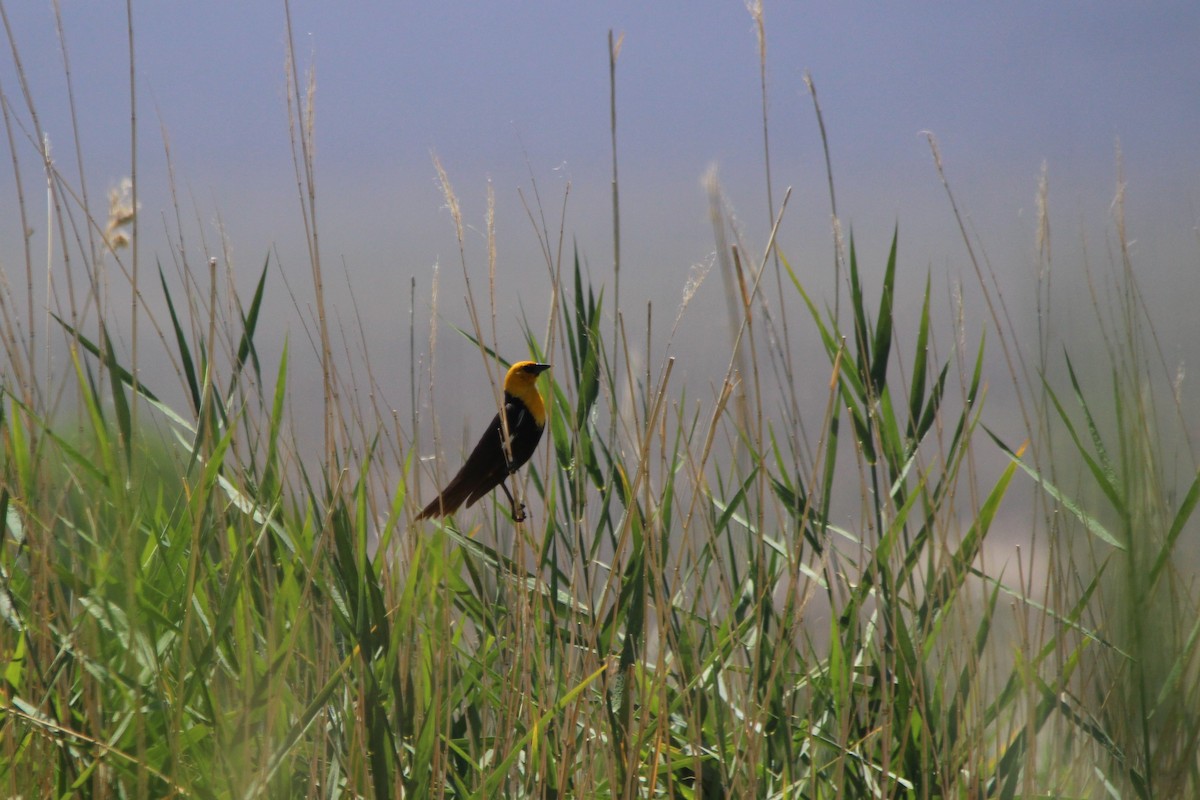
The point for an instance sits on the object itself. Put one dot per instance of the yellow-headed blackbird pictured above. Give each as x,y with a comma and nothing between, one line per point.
489,465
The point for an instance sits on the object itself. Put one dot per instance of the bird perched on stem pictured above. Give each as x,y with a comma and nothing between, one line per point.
491,462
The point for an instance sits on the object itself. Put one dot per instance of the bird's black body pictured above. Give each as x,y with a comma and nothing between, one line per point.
489,463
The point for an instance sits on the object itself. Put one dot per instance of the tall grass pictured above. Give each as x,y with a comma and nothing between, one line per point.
740,595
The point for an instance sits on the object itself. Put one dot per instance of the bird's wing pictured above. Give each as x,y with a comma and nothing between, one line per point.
524,434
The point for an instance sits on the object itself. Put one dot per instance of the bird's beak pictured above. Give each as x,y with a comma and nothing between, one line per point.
538,369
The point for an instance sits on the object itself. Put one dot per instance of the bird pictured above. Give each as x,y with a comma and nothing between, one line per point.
490,463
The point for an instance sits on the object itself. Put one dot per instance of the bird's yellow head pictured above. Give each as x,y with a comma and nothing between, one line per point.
521,383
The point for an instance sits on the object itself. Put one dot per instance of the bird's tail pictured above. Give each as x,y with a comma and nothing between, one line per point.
447,502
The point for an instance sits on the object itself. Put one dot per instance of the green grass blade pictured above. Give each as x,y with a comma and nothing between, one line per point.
181,344
1093,525
881,347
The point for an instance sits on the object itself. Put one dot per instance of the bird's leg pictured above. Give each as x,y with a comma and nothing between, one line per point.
518,512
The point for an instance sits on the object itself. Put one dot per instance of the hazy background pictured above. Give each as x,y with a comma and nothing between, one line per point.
510,93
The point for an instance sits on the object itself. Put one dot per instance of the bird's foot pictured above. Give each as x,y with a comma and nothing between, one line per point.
518,513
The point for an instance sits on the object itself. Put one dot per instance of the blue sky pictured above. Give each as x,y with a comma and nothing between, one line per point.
503,92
